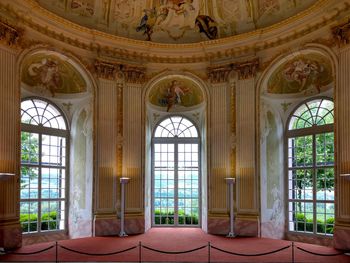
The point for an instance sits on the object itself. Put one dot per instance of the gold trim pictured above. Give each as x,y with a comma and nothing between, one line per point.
202,55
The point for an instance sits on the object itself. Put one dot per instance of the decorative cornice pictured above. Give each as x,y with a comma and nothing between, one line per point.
245,70
341,33
132,50
117,71
10,35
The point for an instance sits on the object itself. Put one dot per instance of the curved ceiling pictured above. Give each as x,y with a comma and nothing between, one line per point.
176,21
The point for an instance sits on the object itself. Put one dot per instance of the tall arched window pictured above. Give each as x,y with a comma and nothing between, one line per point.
310,140
44,147
176,173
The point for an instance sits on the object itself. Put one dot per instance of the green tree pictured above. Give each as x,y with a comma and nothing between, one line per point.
29,154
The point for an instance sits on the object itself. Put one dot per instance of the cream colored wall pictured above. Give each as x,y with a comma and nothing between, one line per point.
232,126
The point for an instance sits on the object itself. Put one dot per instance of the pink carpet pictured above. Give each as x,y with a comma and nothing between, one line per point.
175,239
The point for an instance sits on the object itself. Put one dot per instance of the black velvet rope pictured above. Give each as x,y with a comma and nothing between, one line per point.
174,252
97,254
251,255
319,254
29,253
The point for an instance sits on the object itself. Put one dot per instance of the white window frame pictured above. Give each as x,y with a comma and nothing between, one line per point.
41,130
176,141
310,131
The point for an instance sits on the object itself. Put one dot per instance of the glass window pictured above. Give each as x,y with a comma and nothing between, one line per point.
43,167
176,173
311,168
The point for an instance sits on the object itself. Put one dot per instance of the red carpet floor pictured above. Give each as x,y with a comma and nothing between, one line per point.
175,239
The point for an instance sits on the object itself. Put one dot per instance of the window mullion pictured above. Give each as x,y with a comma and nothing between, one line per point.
176,185
314,192
39,183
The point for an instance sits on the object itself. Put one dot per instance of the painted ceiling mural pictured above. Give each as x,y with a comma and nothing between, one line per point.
176,21
52,75
301,74
176,93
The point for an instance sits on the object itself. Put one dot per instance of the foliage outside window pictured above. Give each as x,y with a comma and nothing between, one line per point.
43,167
310,139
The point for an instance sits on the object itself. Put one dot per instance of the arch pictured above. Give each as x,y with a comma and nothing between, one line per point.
176,126
152,116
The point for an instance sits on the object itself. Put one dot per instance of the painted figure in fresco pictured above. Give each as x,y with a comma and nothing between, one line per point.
300,71
46,74
207,25
174,93
147,22
82,7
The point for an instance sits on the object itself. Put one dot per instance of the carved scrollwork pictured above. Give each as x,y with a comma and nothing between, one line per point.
245,70
9,34
219,74
341,33
116,71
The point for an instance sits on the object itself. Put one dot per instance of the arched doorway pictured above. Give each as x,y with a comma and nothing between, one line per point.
176,173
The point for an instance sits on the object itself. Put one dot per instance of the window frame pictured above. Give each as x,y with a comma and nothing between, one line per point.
302,132
42,130
176,141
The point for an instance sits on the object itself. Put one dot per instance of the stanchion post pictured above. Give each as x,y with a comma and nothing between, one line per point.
209,252
231,181
123,182
56,252
140,246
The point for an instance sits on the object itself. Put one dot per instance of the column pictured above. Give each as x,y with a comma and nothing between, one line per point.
219,151
133,150
108,139
10,230
247,218
342,186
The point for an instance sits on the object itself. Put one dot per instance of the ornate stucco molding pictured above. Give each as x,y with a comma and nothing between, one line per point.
10,35
104,44
341,33
245,70
117,71
219,74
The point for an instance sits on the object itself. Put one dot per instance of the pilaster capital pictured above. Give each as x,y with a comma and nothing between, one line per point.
10,35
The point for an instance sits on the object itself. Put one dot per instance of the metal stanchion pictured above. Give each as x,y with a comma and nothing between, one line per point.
231,181
123,182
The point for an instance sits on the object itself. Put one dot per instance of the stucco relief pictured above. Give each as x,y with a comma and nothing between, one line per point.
176,21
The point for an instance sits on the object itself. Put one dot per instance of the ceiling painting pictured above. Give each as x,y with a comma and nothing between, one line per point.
176,21
176,93
52,75
300,75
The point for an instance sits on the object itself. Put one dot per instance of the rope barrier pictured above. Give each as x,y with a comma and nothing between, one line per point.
250,255
98,254
174,252
29,253
319,254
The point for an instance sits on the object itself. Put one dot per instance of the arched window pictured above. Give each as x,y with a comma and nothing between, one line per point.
310,140
44,146
176,173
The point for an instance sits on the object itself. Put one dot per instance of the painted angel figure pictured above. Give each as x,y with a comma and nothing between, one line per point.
174,93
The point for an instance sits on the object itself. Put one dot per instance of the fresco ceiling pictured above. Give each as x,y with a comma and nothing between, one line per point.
176,21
